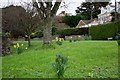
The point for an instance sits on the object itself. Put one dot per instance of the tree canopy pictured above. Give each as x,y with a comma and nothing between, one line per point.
90,10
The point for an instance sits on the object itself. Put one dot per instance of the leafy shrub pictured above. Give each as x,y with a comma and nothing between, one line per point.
70,40
39,34
74,31
6,42
59,41
59,65
103,31
19,48
54,31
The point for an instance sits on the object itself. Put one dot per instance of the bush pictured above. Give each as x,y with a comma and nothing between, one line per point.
59,65
19,48
54,31
104,31
59,41
6,42
39,34
74,31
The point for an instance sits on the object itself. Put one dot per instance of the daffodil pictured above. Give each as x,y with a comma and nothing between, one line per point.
21,44
56,38
18,45
26,48
60,39
14,46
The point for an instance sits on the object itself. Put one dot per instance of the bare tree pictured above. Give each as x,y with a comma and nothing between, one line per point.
29,22
16,20
46,10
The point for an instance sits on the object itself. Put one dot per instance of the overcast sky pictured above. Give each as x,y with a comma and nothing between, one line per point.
72,4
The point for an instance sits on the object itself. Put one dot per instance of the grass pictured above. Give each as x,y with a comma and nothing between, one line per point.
85,58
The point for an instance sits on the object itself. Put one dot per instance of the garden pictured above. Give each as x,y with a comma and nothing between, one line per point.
86,59
36,43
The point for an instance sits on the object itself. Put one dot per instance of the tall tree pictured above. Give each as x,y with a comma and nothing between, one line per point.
72,21
47,9
90,9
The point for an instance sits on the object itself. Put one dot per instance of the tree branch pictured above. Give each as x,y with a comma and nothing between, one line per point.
55,8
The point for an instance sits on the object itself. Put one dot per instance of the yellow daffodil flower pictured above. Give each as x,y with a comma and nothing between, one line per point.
56,38
14,46
21,44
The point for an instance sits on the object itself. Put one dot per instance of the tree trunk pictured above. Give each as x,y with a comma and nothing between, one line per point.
47,33
29,42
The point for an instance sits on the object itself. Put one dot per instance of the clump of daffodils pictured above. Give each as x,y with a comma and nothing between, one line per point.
18,47
59,40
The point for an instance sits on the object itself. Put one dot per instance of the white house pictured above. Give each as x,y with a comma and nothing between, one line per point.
105,15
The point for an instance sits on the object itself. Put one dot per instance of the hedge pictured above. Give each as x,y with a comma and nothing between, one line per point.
104,31
74,31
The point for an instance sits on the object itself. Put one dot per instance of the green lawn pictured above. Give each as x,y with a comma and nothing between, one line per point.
99,58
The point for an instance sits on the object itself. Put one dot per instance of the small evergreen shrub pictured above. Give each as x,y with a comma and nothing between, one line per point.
59,65
103,32
70,40
74,31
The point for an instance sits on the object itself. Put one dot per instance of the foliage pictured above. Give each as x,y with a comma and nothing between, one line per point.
113,16
54,30
39,33
59,41
74,31
118,39
70,40
88,9
10,16
6,42
19,48
103,31
72,21
59,65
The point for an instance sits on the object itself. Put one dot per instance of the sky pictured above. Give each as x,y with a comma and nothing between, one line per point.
71,4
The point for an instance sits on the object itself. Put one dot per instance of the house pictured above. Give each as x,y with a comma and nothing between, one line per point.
86,23
105,15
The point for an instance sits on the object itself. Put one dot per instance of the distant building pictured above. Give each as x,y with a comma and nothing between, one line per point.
105,15
86,23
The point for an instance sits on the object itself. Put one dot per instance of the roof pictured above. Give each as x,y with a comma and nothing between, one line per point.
87,21
84,23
